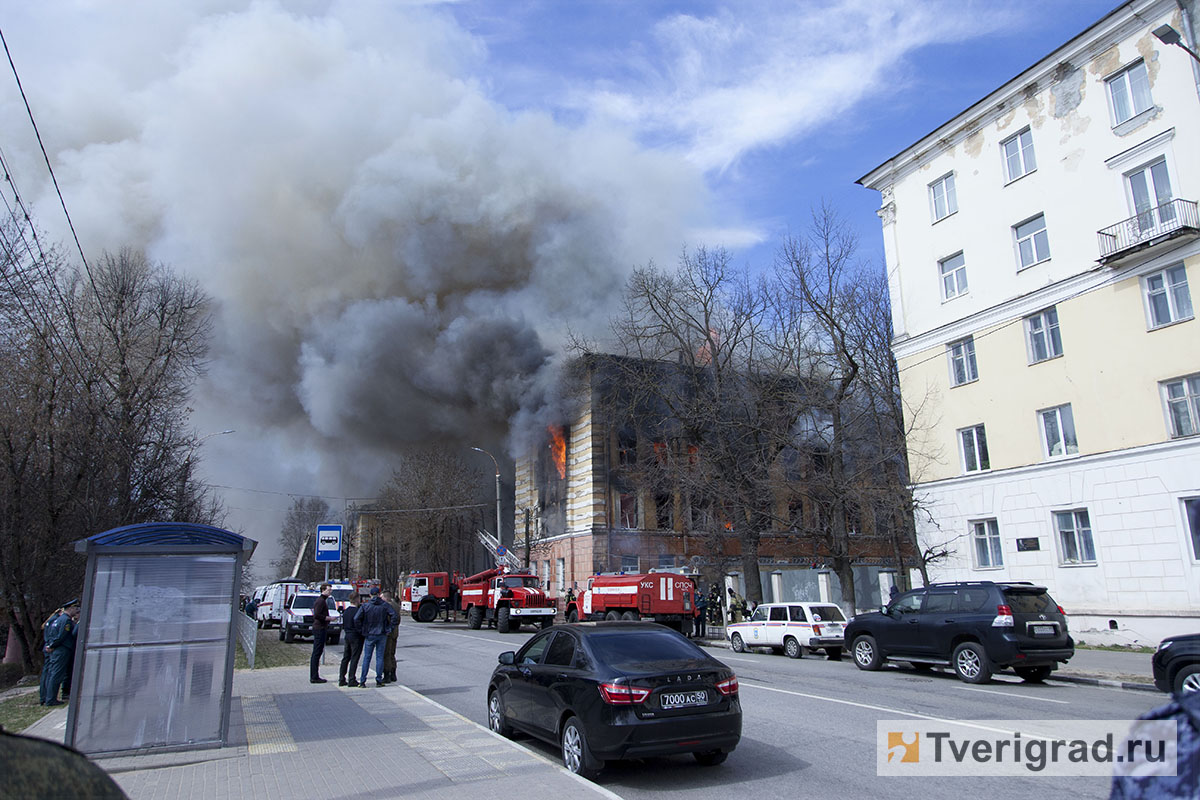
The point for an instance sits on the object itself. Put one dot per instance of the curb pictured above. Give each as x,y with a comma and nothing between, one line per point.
1083,680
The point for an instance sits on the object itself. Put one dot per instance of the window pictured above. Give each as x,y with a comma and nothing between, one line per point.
629,563
909,603
1191,516
1058,431
1018,155
562,651
797,613
974,449
939,602
627,511
532,652
954,276
1033,246
1183,405
562,574
962,361
1075,537
1167,297
1042,337
1129,92
1150,193
987,544
941,194
778,613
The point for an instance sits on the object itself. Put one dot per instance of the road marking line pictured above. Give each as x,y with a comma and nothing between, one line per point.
735,658
1011,694
871,707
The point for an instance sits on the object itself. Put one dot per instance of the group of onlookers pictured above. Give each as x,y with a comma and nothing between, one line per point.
370,629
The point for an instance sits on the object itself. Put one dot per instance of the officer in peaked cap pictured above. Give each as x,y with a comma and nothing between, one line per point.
59,653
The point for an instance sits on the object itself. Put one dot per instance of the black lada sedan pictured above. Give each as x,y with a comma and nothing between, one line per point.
611,690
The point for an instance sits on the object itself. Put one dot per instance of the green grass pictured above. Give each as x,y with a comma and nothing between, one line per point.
270,652
19,712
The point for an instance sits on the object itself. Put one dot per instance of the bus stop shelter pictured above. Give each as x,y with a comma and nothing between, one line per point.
156,640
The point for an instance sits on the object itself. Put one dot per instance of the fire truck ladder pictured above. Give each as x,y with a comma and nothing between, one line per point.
509,559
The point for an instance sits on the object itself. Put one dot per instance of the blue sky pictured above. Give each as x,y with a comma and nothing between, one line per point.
569,57
400,208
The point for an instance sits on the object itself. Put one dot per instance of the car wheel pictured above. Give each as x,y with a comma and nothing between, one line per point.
576,755
503,620
792,648
288,634
1034,674
613,616
1187,680
281,634
711,758
427,612
834,653
866,653
737,644
547,622
970,663
475,618
572,616
630,616
497,721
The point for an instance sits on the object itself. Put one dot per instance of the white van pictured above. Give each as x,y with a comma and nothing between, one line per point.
274,601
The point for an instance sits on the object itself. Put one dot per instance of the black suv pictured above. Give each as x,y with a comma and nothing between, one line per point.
976,627
1176,664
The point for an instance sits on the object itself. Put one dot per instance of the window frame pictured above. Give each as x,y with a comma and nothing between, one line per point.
959,273
983,460
1062,431
1020,154
952,195
1122,77
1074,514
1051,331
994,542
1039,257
1191,524
1190,400
1168,291
969,361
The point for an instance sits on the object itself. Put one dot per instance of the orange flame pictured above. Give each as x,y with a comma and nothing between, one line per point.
558,449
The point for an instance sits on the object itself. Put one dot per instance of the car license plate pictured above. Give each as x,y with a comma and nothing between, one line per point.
1042,630
683,699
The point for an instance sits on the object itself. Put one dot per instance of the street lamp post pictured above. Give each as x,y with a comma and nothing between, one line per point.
1168,35
499,538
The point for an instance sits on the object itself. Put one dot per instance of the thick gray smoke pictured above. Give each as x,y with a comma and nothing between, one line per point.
395,256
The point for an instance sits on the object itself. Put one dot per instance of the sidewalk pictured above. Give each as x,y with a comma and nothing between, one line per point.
291,739
1109,668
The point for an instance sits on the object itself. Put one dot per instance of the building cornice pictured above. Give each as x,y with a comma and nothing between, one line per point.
1115,26
1019,307
1033,470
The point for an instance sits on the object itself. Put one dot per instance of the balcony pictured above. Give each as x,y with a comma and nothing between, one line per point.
1171,220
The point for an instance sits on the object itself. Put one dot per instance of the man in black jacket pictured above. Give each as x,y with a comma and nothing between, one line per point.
375,620
352,648
320,629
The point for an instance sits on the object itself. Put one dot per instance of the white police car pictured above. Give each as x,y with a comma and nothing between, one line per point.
297,618
791,628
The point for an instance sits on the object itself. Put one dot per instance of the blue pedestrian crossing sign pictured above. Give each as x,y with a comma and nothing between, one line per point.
329,543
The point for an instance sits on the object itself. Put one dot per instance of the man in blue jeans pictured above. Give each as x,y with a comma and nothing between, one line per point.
375,620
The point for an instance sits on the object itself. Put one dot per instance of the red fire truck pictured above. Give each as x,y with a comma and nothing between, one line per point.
427,594
664,597
506,599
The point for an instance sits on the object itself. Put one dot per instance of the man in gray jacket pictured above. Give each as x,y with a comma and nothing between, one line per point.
375,620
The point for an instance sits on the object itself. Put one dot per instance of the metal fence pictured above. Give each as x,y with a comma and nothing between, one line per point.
247,633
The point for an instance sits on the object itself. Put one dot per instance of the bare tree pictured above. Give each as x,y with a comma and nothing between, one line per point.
96,367
298,532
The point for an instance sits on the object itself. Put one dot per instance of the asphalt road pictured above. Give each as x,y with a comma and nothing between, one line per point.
809,725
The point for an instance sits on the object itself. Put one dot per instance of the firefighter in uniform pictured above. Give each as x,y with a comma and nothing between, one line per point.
389,647
59,652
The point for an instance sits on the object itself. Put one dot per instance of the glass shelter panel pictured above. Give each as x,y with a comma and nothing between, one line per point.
157,644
